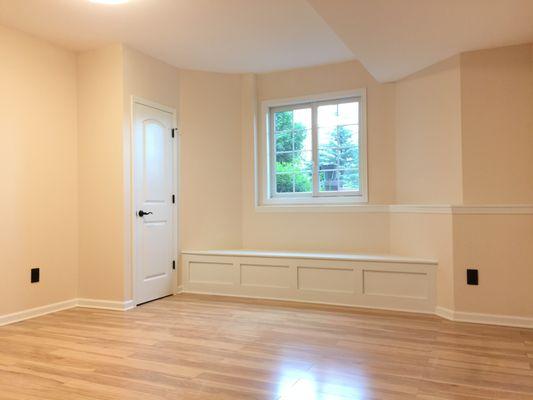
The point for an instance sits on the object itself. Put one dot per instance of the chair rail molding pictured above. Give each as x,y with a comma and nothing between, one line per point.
457,209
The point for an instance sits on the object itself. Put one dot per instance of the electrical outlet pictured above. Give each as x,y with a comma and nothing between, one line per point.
35,275
472,277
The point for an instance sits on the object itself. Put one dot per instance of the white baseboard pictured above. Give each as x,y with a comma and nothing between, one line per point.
488,319
106,304
446,313
64,305
37,311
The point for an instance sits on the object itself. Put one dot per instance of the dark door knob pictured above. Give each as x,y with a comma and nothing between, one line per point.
142,213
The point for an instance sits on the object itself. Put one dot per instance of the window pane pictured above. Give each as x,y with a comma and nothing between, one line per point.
348,113
302,139
347,135
338,156
303,181
284,183
327,115
339,180
284,161
338,114
328,158
302,118
339,136
292,119
284,141
348,158
283,121
299,166
349,180
327,136
328,181
334,158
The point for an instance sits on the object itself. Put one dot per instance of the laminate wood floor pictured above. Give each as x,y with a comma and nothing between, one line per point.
202,347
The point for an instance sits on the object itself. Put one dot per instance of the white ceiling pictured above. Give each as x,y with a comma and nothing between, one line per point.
392,38
216,35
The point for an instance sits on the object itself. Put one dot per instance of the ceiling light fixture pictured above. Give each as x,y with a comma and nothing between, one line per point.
111,2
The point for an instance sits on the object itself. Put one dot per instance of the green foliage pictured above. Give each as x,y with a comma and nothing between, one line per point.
339,159
291,164
341,153
303,181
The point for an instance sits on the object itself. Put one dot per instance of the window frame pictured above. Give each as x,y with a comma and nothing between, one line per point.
268,184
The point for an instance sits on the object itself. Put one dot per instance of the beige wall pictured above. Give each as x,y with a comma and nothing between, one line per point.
38,163
101,174
501,247
210,184
428,136
497,110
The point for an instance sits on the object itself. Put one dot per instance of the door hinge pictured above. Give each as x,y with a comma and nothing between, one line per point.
173,264
174,131
173,199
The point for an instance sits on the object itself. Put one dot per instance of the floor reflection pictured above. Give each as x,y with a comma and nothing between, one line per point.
295,384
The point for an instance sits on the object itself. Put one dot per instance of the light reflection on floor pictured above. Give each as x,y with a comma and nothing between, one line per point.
309,386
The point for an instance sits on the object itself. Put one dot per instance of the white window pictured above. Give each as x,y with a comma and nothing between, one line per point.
315,150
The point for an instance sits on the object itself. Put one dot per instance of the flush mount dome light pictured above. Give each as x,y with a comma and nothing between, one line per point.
109,1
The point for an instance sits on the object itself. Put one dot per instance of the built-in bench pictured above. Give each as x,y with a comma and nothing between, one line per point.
376,281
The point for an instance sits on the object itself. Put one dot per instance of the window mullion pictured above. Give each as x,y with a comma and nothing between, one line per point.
314,142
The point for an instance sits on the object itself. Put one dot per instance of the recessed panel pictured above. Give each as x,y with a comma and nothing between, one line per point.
154,161
205,272
397,284
334,280
273,276
156,249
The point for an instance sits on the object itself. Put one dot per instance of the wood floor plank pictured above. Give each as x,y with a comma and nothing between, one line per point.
193,347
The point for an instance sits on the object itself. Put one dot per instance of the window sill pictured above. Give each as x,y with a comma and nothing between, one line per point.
324,207
317,201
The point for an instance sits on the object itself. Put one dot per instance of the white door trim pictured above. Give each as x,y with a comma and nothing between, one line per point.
175,209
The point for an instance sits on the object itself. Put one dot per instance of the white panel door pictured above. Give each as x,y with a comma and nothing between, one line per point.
153,182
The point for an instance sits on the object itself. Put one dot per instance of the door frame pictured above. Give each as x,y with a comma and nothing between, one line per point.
175,187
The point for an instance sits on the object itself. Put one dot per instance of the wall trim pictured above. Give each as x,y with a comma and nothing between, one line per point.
420,208
325,208
474,209
446,313
488,319
106,304
65,305
37,311
493,209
